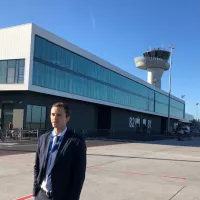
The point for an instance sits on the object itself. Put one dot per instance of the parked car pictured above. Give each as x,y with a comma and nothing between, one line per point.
183,130
186,130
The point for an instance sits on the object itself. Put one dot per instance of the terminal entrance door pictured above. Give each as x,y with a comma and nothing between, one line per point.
6,114
104,119
163,125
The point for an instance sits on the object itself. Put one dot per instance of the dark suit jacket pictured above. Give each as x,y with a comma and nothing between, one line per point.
68,172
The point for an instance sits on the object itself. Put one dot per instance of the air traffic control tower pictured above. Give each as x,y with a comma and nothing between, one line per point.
155,61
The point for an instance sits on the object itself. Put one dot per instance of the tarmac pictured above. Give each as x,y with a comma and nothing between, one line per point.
159,170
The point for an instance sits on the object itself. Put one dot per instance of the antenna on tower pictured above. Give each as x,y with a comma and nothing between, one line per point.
163,44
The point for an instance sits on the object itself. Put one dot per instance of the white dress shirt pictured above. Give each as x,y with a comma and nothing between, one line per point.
43,186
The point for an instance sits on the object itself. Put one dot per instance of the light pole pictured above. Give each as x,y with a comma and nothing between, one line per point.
169,96
182,96
197,111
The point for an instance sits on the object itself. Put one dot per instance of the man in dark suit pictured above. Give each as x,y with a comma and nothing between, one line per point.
60,164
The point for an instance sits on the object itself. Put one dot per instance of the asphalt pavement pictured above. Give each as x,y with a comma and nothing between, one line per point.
158,170
11,147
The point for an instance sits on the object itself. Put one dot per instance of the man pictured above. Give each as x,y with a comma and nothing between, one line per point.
60,164
10,126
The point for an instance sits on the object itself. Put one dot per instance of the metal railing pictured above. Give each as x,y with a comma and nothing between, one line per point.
32,133
120,134
146,135
20,134
10,134
130,135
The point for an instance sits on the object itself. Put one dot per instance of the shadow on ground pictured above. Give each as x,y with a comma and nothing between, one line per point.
195,142
28,147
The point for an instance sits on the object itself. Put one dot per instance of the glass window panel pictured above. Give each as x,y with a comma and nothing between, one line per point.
48,51
151,106
161,98
68,60
143,90
21,63
3,71
53,54
56,86
161,108
62,58
40,74
11,75
42,125
66,83
35,73
50,75
43,117
17,72
11,71
143,103
71,63
28,114
58,55
36,116
43,46
38,47
62,81
11,63
28,125
21,80
177,104
65,59
151,94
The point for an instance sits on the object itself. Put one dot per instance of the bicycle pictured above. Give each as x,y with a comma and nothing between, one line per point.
2,137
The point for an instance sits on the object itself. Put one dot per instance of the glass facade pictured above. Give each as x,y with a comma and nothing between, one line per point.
161,106
12,71
35,116
189,117
60,69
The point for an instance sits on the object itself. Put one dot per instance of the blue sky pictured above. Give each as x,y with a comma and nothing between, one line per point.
118,31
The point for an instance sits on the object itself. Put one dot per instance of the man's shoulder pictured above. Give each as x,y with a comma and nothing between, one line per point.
76,137
44,135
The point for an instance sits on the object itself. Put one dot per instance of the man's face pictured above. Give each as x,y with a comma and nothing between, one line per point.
58,117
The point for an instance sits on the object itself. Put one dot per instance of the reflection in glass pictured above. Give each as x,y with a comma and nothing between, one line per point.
3,71
36,117
12,71
60,69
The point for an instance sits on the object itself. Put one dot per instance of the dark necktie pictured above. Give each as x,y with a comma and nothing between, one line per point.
56,143
51,160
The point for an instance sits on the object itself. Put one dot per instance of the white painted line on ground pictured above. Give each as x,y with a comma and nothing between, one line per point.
8,144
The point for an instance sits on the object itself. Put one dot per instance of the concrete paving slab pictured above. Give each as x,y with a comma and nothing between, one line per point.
184,193
127,171
113,188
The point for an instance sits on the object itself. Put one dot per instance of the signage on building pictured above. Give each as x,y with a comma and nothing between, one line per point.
131,122
136,121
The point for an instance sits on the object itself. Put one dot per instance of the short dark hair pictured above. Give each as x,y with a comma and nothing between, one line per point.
62,105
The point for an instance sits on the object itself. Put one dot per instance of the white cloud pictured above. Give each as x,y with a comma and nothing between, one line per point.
92,19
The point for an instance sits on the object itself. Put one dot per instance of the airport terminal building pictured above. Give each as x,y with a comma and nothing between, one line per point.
38,68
